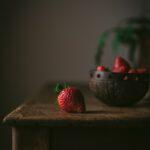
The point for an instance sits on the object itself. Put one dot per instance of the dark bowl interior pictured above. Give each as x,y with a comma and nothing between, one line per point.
119,89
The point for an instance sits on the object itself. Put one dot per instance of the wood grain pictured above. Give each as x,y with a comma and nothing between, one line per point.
30,138
43,110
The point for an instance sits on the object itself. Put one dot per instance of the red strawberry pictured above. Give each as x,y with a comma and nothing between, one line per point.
71,100
132,71
100,68
142,70
121,65
121,69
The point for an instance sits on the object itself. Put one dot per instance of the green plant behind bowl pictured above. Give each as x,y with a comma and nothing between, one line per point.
130,33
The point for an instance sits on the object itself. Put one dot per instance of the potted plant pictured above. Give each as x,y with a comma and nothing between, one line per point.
134,33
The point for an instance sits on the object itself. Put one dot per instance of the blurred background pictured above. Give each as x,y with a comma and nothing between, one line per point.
49,40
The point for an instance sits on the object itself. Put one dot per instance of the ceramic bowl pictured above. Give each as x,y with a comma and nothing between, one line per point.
118,89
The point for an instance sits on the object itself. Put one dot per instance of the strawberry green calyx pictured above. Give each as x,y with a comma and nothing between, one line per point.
59,87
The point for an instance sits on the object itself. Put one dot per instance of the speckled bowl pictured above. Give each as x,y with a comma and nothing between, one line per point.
118,89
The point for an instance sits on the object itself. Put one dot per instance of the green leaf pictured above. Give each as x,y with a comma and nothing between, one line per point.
116,42
58,88
66,85
102,40
101,45
132,49
98,55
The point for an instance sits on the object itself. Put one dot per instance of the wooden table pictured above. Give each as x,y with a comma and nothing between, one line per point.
38,124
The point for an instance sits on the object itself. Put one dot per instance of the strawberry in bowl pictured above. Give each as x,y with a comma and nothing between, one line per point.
120,65
122,86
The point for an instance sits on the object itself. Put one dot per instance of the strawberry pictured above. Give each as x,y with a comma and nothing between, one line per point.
132,71
71,100
142,70
100,68
121,69
121,65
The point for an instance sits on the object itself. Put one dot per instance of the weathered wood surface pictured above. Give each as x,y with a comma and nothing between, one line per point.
42,110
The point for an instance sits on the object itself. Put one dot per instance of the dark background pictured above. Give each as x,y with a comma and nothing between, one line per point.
48,40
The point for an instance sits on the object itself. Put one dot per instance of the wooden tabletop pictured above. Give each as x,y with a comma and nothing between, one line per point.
42,110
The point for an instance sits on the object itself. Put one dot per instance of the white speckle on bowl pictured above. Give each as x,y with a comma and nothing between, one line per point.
99,75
